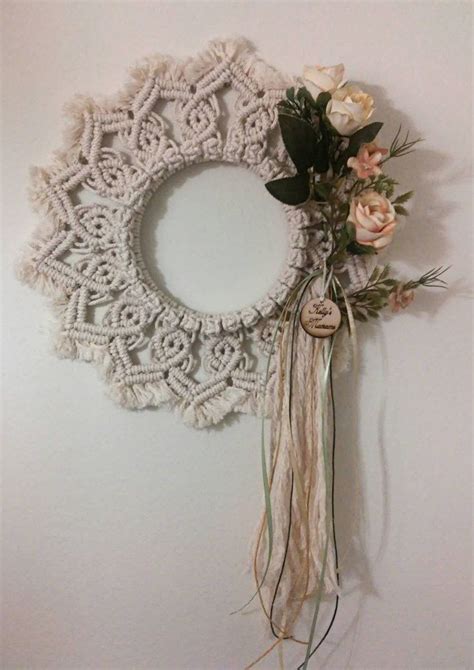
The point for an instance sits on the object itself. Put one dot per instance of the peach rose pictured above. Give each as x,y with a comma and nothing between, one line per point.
366,163
374,219
319,79
400,299
349,109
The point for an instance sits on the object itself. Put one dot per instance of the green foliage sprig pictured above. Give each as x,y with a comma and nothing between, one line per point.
370,300
320,155
431,279
401,147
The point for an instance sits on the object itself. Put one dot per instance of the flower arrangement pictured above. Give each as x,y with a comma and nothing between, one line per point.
325,126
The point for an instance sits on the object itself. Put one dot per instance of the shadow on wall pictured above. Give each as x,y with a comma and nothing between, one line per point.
421,244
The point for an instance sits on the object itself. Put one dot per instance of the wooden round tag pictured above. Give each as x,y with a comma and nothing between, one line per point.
320,318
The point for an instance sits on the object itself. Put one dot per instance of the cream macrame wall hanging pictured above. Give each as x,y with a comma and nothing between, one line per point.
310,141
89,255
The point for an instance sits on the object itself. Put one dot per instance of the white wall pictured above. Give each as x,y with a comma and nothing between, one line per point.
125,534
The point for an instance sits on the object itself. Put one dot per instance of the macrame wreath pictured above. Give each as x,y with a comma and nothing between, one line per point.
310,141
87,255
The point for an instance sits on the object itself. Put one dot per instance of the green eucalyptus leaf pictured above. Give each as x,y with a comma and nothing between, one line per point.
404,197
290,190
344,211
299,139
321,156
322,190
323,99
400,209
363,136
351,231
360,249
304,95
374,275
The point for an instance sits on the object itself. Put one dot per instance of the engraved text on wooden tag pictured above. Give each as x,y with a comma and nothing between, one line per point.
320,318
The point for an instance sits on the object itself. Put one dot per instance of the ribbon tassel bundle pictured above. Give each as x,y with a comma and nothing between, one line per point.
295,556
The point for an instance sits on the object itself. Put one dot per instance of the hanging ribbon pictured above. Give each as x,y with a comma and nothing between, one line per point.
295,556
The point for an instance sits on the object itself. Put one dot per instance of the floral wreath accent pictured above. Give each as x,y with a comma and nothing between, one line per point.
274,358
325,128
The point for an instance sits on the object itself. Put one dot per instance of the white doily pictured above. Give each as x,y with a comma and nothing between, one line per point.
87,256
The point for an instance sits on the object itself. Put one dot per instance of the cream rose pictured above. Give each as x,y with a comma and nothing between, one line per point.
374,219
349,109
319,79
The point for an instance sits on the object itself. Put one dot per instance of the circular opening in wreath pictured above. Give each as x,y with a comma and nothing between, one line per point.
213,239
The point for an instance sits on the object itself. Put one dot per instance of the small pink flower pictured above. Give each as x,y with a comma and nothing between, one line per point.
400,299
366,163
